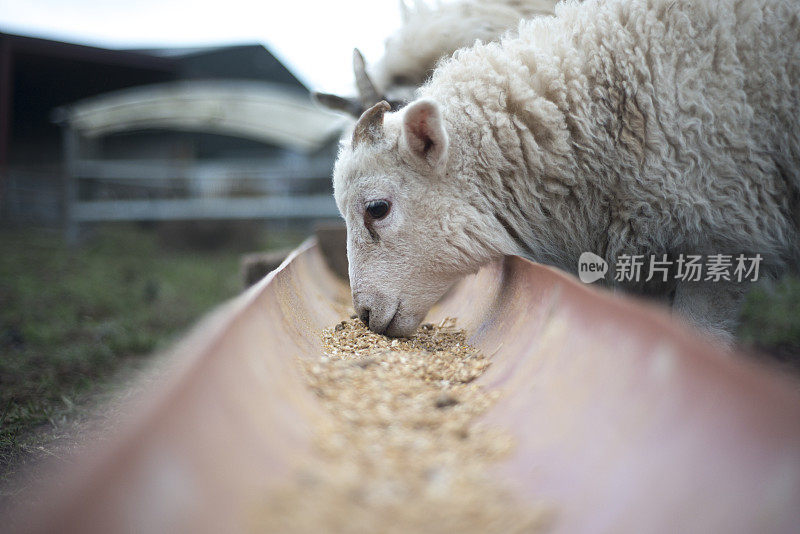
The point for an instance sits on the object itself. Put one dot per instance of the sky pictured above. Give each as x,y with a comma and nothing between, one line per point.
314,38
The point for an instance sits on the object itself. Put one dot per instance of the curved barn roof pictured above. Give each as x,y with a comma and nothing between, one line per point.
255,110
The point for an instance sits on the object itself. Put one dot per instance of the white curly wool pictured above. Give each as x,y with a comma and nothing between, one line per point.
431,32
616,127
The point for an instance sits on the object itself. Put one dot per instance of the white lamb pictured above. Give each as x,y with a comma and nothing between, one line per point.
618,127
428,34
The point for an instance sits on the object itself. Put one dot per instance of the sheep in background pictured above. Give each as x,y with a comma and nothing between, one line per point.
618,127
428,34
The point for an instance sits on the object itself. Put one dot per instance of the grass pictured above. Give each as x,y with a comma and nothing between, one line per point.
72,318
771,320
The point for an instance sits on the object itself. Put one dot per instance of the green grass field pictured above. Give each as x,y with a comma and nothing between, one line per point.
73,318
73,321
770,321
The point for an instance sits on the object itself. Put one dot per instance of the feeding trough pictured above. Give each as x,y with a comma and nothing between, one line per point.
622,418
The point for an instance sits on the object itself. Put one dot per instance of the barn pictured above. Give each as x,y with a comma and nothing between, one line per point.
91,134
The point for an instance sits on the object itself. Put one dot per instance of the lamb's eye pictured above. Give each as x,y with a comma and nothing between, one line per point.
377,209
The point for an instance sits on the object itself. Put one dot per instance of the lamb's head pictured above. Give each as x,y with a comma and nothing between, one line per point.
406,218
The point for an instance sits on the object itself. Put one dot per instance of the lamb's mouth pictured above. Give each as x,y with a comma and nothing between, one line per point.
401,326
391,323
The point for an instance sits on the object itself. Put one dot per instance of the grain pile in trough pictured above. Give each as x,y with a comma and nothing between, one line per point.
400,450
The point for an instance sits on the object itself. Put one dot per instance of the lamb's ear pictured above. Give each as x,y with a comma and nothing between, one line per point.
350,106
424,135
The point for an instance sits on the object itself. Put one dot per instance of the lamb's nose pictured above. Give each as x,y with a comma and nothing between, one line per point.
364,316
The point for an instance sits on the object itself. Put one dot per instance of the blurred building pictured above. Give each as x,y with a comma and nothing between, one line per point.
94,134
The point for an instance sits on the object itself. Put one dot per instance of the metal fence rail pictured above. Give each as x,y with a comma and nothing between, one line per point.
292,185
173,190
283,207
249,169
